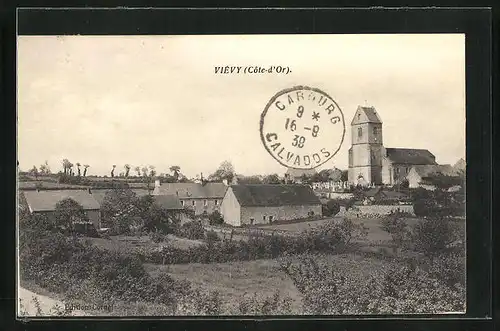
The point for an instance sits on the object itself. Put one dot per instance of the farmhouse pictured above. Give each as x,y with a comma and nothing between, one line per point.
370,163
44,202
424,176
202,198
173,205
265,203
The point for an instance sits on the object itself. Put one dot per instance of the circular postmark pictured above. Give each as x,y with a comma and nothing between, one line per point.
302,127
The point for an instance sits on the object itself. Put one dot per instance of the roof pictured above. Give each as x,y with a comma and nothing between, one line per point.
297,173
267,195
192,190
47,200
99,194
410,156
366,115
425,171
170,202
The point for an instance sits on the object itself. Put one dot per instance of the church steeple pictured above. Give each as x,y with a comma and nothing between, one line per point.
365,155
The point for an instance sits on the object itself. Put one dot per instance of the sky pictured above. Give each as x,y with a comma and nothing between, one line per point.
156,100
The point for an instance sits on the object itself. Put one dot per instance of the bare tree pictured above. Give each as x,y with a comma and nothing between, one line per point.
144,171
113,171
85,166
70,167
127,169
66,166
78,167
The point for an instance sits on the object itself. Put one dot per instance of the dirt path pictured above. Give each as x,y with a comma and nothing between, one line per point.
46,306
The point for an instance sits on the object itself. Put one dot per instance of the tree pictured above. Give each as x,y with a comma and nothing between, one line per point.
249,180
344,176
67,213
215,218
144,172
45,169
224,172
127,169
120,210
78,167
433,235
34,172
272,179
113,170
176,171
85,170
70,167
66,163
138,170
152,171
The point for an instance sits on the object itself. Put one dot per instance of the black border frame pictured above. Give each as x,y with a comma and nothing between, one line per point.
474,22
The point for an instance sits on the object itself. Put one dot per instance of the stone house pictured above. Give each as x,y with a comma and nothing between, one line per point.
265,203
422,176
202,198
44,202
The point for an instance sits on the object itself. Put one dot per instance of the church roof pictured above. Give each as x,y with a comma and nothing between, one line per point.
366,115
410,156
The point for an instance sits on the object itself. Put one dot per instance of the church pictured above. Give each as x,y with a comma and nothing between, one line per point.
370,163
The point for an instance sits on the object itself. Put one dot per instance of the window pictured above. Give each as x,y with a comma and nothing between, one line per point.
359,116
264,217
360,132
270,219
182,203
205,203
194,203
216,202
252,220
375,130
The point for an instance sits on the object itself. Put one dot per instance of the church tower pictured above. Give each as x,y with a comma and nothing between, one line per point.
365,154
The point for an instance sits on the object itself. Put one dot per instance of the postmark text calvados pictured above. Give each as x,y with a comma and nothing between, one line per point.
302,127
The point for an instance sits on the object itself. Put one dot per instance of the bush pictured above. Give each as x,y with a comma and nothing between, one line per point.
396,227
211,236
402,289
433,235
215,218
191,230
331,208
157,236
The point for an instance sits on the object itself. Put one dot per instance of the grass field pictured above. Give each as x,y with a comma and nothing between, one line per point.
133,243
239,279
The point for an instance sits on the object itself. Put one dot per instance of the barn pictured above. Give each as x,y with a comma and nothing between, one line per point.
264,204
44,202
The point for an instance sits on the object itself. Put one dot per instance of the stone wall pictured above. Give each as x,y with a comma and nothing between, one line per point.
260,215
377,210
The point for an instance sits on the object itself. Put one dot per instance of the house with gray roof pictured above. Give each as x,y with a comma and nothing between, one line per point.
45,202
202,198
265,203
